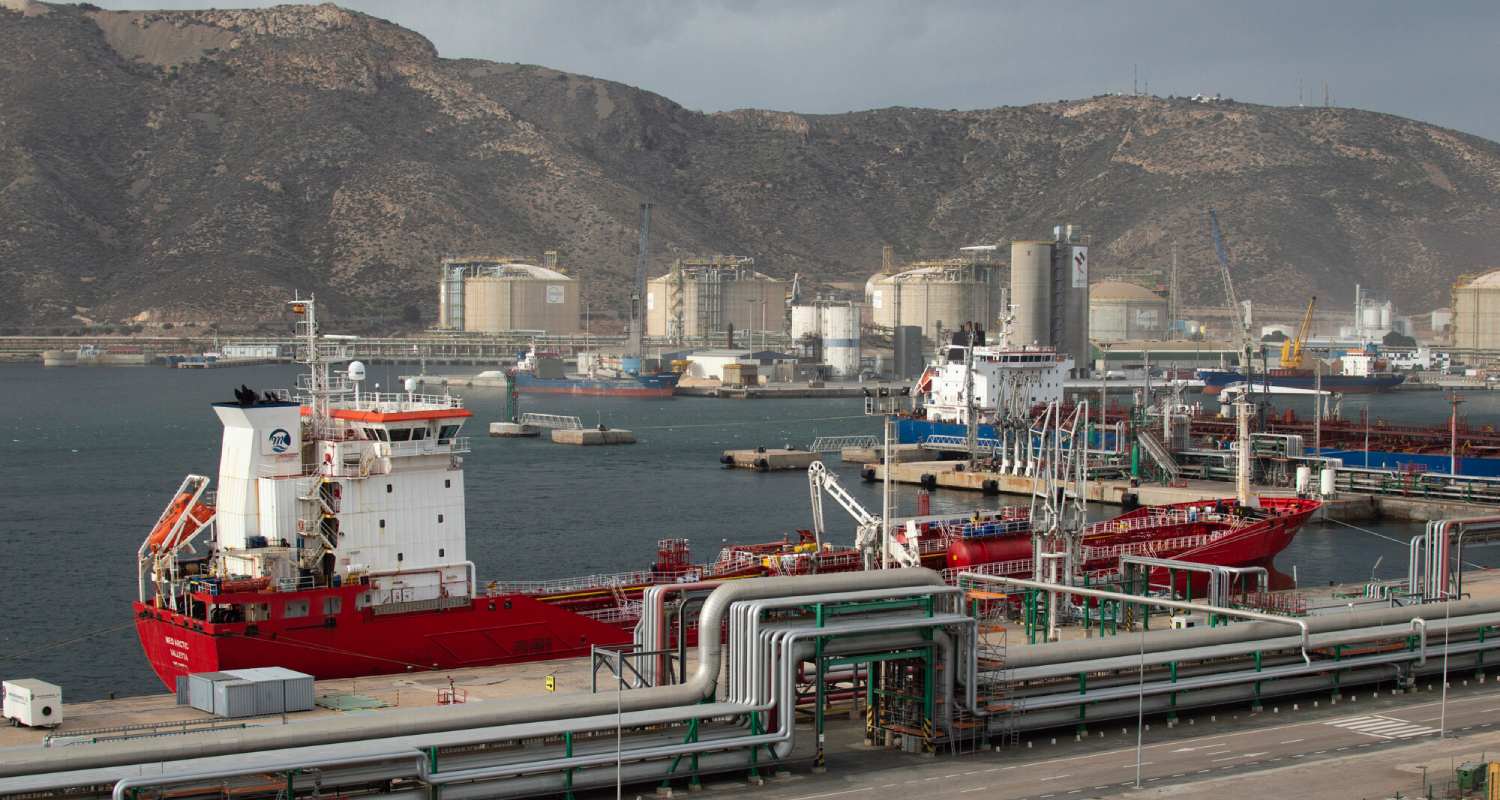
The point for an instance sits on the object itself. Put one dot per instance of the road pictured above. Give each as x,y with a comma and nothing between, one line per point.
1379,739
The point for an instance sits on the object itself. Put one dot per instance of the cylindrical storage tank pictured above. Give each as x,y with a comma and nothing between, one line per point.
1121,311
841,340
1304,478
1325,483
524,297
972,552
806,321
1031,291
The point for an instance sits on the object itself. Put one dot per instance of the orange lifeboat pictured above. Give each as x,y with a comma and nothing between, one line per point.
197,515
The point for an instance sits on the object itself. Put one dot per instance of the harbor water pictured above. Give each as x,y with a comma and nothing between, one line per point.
89,457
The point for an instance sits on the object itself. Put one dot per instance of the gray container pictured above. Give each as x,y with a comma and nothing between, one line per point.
235,698
201,689
183,695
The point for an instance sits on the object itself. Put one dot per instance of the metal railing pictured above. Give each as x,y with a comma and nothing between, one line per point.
555,421
834,444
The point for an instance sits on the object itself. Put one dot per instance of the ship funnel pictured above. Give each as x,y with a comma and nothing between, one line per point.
261,440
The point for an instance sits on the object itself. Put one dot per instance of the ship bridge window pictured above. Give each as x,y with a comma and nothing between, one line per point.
447,432
294,608
400,434
417,434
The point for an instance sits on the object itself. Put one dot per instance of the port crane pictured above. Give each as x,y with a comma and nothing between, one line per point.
1242,328
867,526
1291,349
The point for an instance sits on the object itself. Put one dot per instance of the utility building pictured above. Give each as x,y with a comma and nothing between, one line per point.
492,294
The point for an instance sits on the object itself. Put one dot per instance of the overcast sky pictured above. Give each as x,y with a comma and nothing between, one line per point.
1433,61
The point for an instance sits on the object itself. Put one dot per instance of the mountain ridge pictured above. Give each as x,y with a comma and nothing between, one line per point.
197,165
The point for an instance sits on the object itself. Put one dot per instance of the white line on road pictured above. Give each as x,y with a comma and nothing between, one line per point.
1293,741
1058,777
974,789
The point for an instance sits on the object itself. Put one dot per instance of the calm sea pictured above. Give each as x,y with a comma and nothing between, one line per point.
89,456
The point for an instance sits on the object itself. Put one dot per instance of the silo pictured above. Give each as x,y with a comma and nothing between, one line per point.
1031,291
841,339
806,321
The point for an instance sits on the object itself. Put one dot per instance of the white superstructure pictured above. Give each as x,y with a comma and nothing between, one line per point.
1007,381
337,485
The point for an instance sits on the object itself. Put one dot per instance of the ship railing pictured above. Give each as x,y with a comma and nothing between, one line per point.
1146,548
583,583
1020,566
426,447
396,402
614,615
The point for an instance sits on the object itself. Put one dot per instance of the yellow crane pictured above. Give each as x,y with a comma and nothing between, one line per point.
1291,349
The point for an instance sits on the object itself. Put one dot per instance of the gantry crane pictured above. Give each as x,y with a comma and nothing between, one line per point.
1291,349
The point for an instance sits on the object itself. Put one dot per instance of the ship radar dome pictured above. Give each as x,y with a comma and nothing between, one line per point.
411,384
356,370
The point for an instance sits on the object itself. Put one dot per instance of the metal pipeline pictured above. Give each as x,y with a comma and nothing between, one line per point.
1157,641
1086,592
699,686
126,785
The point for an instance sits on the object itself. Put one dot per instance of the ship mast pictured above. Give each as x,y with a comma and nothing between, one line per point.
316,382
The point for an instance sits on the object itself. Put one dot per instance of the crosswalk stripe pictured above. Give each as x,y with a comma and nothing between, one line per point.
1341,723
1378,727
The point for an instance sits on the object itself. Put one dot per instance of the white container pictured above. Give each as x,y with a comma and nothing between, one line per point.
1325,482
33,703
1304,478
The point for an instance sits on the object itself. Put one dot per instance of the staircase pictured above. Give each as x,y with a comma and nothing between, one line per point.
1159,453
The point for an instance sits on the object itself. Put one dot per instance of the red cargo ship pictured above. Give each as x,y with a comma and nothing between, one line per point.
335,545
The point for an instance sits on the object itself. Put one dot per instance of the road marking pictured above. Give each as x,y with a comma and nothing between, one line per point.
1178,774
1225,758
1058,777
1293,741
831,794
975,789
1131,765
1382,727
1216,753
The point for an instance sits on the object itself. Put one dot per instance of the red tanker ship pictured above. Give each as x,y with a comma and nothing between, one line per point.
335,545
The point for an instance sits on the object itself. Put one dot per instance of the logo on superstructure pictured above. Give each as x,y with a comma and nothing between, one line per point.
280,440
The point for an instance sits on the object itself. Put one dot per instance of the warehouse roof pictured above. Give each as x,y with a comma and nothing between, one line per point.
1119,290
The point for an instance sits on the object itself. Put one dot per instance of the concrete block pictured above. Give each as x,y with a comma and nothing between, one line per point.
592,436
513,430
769,459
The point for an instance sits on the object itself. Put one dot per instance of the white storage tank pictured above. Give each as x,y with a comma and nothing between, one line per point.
33,703
1325,483
841,340
806,321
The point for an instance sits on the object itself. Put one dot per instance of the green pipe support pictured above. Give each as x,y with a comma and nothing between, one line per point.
567,773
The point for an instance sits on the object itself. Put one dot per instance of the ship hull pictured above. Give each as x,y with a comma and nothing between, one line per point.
1214,381
491,630
643,386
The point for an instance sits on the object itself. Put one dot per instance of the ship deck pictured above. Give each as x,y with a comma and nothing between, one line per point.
495,684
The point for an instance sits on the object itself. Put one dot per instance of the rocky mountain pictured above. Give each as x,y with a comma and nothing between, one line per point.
196,165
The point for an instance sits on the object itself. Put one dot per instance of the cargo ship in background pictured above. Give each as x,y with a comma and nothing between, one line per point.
335,544
542,373
1362,372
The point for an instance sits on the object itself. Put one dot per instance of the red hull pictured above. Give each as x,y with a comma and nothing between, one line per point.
492,630
512,628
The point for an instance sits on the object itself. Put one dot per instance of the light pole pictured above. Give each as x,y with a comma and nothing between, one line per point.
1140,704
1447,624
619,727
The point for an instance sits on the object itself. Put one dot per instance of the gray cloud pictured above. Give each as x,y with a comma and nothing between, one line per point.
1433,62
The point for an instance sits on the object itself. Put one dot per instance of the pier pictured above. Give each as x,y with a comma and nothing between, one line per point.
769,459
